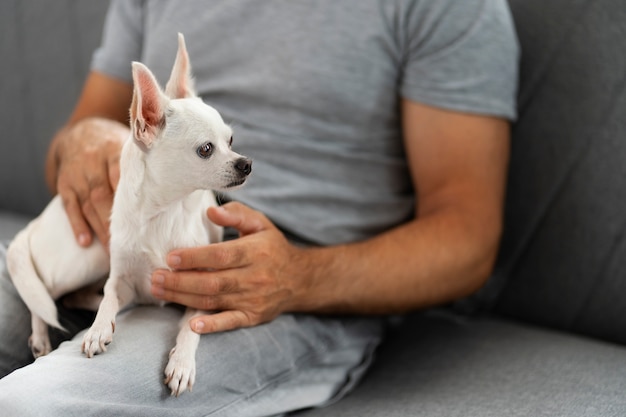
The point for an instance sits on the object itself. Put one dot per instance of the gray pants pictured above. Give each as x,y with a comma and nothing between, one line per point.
296,361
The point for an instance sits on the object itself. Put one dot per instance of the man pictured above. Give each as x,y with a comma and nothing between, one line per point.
379,136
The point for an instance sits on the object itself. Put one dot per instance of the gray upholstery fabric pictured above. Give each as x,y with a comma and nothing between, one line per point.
46,49
10,224
437,365
564,253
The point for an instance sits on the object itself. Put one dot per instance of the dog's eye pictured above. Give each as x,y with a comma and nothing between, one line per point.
230,142
205,151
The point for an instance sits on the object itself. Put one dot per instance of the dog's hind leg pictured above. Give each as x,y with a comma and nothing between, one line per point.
180,372
86,298
39,341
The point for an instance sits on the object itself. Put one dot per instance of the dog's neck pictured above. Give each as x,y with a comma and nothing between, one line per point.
140,193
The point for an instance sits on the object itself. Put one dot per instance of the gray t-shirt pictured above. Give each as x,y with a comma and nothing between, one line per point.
312,90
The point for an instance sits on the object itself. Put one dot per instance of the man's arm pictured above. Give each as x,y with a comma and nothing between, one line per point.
82,163
458,165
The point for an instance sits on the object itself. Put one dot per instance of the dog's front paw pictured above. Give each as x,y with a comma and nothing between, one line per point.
39,345
180,372
97,338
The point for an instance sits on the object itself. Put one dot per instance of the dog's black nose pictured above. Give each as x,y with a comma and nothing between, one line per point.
244,165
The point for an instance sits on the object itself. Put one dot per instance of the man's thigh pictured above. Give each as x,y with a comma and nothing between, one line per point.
293,362
14,323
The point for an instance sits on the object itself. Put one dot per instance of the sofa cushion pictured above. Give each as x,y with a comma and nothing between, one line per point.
10,224
444,365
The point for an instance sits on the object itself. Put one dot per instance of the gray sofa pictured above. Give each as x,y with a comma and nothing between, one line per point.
545,336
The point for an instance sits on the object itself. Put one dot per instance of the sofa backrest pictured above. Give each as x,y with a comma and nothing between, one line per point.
45,50
563,257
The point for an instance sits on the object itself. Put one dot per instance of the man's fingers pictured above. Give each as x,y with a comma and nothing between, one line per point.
239,216
87,216
114,172
79,225
224,255
198,301
220,322
102,202
88,204
194,282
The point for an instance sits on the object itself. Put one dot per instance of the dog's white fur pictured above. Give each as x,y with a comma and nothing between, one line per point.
164,190
42,272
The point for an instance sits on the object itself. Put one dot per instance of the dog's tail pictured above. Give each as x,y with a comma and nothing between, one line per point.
27,281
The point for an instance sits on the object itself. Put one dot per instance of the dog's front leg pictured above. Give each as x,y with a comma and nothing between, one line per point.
117,295
180,372
39,341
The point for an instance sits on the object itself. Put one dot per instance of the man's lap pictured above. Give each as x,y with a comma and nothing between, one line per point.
294,361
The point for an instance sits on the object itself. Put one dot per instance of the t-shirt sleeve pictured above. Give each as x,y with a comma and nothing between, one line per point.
462,56
122,40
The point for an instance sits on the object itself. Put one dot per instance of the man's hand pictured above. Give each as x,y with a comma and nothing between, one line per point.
82,164
87,160
246,281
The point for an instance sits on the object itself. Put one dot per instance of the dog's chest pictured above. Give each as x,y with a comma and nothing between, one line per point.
136,252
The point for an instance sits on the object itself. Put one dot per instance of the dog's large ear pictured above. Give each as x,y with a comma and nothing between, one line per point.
147,113
180,84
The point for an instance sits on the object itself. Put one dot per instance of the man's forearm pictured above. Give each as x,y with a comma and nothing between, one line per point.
442,256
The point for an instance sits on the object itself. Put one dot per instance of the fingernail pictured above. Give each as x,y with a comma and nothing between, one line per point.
198,326
158,279
158,292
219,210
173,260
83,239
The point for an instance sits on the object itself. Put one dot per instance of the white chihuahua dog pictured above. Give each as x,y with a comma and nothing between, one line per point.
179,151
